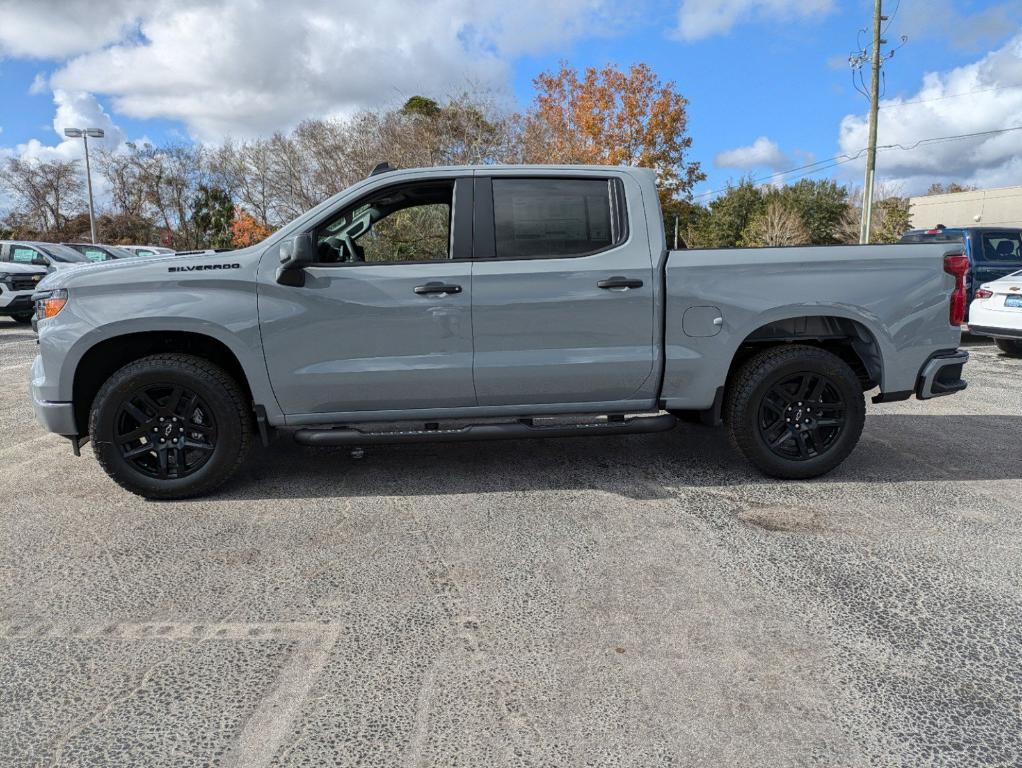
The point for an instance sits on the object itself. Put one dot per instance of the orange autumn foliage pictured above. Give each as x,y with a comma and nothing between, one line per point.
246,229
610,117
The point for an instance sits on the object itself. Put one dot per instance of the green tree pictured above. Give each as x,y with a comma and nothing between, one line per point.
821,205
212,216
729,217
890,220
421,106
689,217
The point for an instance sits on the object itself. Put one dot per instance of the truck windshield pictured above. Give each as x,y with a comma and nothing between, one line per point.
933,236
63,253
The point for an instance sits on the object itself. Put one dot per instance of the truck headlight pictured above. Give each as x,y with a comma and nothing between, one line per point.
49,304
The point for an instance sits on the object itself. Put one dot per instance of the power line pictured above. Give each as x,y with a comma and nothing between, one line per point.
832,162
950,96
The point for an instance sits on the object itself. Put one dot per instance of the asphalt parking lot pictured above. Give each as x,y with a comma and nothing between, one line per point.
635,601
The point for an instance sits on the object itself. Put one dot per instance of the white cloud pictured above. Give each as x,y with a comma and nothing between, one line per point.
941,19
762,153
699,19
247,68
969,99
47,29
74,110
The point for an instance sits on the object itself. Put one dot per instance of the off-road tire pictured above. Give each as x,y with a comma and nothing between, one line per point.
758,375
217,388
1010,347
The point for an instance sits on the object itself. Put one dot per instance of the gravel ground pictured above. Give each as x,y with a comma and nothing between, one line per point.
635,601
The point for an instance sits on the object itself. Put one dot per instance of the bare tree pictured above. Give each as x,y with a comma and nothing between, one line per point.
127,187
46,194
775,225
890,216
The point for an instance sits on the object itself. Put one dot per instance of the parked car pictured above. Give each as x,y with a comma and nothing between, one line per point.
993,251
997,312
148,250
49,255
98,252
488,302
17,284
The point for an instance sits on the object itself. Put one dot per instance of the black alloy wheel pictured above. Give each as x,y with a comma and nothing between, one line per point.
802,416
171,426
794,410
165,431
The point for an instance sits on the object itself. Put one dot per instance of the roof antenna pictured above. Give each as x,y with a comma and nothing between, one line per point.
383,167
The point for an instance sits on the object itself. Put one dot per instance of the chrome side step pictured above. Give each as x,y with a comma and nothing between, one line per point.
517,430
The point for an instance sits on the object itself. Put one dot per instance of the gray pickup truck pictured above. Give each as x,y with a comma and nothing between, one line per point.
475,303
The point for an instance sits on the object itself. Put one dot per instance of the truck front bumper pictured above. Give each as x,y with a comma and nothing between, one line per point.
55,417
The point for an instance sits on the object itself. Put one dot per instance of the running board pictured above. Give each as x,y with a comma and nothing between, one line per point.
518,430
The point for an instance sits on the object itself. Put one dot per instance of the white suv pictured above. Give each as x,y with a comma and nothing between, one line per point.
17,284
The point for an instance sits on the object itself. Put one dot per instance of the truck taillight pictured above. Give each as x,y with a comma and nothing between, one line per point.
957,265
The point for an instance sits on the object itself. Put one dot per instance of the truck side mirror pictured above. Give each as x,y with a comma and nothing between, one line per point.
296,253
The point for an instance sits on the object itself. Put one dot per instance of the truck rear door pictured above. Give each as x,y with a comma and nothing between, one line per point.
562,291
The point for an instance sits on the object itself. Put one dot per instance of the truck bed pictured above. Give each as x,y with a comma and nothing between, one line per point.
896,295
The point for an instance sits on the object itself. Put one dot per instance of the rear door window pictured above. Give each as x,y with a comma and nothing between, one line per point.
551,218
23,254
94,254
1004,247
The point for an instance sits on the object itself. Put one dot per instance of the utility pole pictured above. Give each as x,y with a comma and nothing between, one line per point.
874,106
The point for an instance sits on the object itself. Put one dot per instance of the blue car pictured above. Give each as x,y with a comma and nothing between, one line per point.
994,252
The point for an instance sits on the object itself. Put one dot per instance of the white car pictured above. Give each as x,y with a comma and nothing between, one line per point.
997,311
17,284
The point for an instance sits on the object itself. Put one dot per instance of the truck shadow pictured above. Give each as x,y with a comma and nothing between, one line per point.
895,448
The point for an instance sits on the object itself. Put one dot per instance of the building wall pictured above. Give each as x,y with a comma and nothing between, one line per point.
982,208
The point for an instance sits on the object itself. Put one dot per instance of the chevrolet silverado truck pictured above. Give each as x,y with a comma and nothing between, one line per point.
491,302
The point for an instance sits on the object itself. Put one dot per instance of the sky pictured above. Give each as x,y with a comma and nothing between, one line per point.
768,81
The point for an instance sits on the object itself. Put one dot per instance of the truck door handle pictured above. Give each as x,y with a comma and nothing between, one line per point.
619,283
431,288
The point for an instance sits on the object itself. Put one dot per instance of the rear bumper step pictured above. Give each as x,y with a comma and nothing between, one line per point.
942,375
518,430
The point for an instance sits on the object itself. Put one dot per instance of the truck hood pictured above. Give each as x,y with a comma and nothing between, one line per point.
147,268
14,268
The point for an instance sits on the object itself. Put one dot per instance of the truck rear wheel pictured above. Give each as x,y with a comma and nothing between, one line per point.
1010,347
795,411
170,426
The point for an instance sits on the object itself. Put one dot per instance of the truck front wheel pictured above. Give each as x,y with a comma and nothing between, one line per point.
795,411
170,426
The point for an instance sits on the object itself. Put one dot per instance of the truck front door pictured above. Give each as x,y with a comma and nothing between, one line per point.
383,321
562,291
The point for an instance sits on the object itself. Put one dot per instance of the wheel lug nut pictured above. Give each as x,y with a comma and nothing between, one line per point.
161,418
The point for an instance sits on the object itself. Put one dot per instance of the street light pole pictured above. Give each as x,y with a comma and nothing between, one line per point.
84,134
